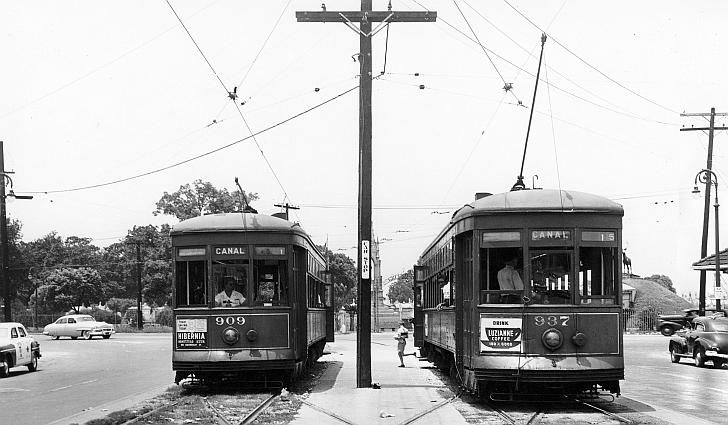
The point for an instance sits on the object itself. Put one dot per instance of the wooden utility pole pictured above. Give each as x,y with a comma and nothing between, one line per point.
364,18
287,207
708,183
4,242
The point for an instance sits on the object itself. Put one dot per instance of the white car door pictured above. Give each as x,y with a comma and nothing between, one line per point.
24,356
20,357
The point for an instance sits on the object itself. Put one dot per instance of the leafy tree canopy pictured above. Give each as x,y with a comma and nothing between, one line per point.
343,277
400,290
198,198
71,288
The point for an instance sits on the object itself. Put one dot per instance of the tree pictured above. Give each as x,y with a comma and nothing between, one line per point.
18,264
200,198
343,277
71,288
663,281
401,289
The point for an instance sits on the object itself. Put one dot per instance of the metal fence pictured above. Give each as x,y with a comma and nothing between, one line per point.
639,321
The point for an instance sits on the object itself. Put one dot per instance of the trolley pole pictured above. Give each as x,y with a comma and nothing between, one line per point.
364,18
708,183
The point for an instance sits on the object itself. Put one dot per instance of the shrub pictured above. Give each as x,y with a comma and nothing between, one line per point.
164,316
103,315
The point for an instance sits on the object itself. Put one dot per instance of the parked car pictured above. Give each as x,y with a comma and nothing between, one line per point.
706,339
17,348
668,324
78,325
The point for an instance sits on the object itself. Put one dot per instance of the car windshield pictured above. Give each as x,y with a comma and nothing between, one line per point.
85,319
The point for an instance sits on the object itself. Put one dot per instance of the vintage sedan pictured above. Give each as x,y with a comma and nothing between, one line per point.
668,324
78,325
706,339
17,348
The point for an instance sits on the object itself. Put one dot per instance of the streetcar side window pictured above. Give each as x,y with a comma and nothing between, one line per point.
501,275
191,288
597,275
230,279
316,292
271,282
551,278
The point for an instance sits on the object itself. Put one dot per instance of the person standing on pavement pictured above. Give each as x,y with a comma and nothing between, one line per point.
401,338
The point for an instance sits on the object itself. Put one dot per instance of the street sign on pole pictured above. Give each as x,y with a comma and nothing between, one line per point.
365,260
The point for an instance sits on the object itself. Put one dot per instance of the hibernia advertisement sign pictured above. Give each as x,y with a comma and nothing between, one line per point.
500,333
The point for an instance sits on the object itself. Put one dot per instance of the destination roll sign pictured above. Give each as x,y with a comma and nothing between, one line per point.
229,251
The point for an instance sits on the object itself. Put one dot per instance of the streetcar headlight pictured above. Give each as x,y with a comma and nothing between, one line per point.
230,336
579,339
552,339
252,335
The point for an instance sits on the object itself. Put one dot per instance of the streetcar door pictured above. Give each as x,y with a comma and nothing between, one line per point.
418,320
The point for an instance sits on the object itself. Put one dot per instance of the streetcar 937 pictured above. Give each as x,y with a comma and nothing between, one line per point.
521,293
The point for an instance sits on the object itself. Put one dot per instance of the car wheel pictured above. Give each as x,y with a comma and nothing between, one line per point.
107,336
718,363
86,334
667,330
33,365
673,355
4,368
55,336
699,356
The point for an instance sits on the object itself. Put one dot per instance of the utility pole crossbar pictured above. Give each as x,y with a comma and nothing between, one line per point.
364,18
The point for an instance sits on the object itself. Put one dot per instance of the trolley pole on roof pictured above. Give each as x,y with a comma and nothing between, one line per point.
364,18
708,183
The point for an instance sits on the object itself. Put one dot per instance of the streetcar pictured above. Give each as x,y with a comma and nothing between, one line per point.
252,301
520,294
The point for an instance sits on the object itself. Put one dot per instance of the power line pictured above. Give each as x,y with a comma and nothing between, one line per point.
196,156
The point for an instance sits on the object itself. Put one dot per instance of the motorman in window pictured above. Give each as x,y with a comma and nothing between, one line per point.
229,297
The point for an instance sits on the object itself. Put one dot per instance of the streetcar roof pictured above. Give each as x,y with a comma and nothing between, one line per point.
533,201
235,222
540,200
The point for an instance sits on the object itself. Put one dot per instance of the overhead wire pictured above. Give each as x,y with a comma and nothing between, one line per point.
158,170
530,54
240,84
233,96
590,65
508,87
440,19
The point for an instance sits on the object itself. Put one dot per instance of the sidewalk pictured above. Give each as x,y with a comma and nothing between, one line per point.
404,393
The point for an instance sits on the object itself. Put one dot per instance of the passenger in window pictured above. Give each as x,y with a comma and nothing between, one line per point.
197,295
229,297
508,277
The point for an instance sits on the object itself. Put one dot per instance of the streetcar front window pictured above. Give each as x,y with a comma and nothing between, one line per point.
551,280
597,275
271,282
190,288
230,279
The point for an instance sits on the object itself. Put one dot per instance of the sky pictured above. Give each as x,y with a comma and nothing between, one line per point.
107,105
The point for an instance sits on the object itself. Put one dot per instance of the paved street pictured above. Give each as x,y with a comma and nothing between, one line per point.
75,376
664,388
